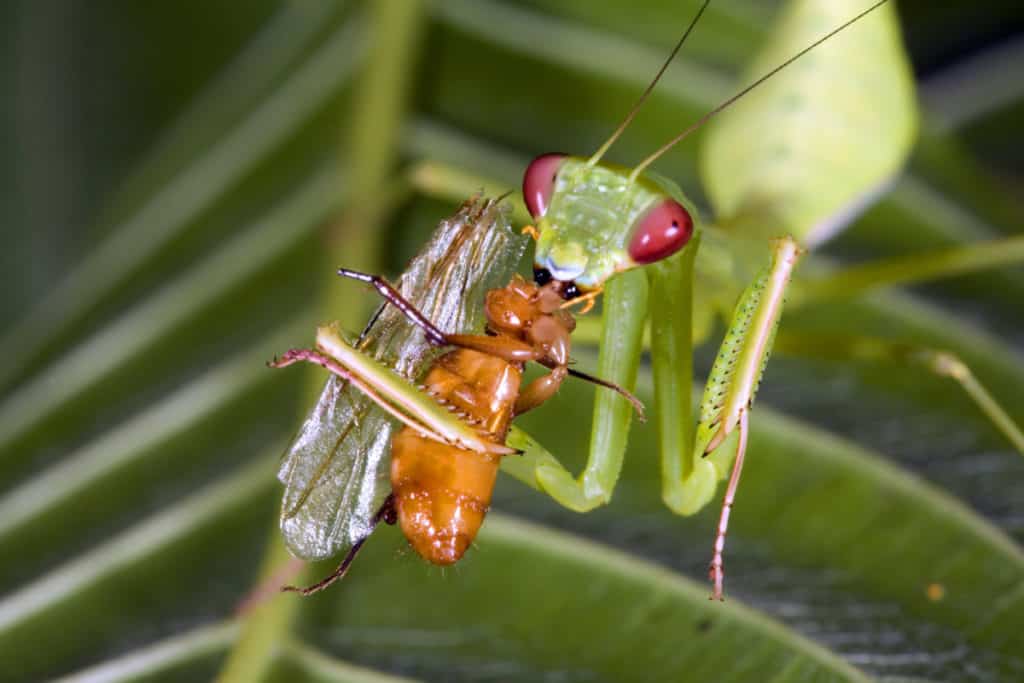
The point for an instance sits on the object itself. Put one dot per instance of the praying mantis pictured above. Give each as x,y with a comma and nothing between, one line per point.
634,239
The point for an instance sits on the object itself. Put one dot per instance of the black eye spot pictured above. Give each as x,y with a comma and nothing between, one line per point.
541,276
570,291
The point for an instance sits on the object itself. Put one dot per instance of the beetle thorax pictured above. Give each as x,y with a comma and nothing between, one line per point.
532,314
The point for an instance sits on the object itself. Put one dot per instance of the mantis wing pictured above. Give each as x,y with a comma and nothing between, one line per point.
335,470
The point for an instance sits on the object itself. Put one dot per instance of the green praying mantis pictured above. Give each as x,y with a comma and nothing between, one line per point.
634,238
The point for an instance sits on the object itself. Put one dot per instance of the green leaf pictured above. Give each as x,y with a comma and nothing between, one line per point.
618,607
846,109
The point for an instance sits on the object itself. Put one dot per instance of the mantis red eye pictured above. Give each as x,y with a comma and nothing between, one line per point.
539,182
661,232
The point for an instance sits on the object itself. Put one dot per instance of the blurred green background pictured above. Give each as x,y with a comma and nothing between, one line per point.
182,178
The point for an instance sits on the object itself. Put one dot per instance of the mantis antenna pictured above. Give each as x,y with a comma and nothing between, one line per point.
636,107
725,105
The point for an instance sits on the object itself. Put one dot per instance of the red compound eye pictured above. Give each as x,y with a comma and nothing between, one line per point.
539,182
661,232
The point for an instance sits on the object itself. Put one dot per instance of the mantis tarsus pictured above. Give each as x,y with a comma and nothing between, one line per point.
594,232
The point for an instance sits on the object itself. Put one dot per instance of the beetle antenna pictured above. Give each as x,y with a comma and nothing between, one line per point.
727,103
636,107
637,404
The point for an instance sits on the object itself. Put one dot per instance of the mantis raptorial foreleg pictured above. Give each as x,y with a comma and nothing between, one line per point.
625,303
671,281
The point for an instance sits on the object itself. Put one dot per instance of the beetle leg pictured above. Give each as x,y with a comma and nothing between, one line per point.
638,405
395,298
386,514
508,349
540,390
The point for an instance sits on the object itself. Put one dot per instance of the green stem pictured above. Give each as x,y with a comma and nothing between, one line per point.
848,282
371,152
258,645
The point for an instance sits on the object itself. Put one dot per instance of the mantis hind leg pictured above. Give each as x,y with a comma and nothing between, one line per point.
854,280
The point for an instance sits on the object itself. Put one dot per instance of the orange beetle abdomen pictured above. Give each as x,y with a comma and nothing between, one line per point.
442,492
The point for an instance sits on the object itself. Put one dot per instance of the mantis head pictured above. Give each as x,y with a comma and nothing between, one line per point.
595,220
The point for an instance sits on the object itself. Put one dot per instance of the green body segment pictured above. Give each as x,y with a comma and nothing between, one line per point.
584,234
672,338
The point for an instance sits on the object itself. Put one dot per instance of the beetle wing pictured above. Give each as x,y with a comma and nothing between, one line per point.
335,471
